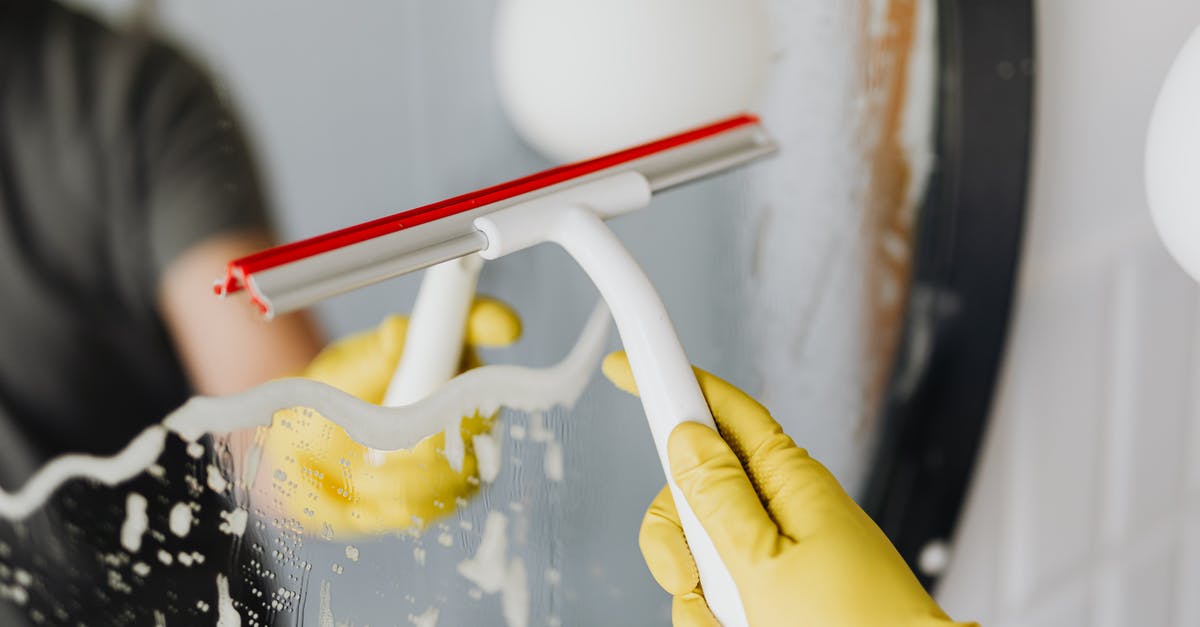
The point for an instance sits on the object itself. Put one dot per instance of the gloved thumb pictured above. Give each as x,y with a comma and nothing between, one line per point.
719,492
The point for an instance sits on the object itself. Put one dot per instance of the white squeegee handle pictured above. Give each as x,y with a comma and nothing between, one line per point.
664,376
433,340
433,343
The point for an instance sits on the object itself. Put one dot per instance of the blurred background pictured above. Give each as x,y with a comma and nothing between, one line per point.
796,279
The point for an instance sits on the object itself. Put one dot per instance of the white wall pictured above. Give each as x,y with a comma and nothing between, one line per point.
1086,510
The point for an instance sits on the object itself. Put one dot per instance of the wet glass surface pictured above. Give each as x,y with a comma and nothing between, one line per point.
772,275
296,524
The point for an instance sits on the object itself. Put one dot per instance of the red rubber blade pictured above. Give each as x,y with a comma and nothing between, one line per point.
239,270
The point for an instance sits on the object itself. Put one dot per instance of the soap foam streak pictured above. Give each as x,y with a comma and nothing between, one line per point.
482,390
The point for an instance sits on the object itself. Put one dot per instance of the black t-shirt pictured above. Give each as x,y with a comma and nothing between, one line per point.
116,156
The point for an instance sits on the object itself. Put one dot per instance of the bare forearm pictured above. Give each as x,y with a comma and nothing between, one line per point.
226,348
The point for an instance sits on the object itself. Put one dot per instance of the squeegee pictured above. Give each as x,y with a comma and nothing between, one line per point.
566,205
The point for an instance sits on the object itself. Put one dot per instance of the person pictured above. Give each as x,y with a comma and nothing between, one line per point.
125,186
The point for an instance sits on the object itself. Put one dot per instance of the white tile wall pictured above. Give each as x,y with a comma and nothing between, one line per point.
1086,505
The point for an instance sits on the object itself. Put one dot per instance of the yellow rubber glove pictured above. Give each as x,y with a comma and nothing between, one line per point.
338,491
800,549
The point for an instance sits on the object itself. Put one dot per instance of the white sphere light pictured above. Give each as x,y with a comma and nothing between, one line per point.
580,78
1173,159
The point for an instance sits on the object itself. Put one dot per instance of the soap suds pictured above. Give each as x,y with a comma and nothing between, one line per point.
227,615
428,618
141,453
514,598
487,568
216,481
180,521
325,618
352,553
489,456
552,463
537,428
454,448
490,571
136,522
479,391
234,522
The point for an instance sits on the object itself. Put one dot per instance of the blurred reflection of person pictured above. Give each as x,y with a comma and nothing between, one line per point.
125,185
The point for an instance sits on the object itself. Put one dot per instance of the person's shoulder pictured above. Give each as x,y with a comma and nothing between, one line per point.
81,49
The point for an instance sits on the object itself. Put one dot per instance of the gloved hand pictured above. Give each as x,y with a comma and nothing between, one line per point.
799,548
339,491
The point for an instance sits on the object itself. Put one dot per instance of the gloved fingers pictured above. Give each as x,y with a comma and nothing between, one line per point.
492,323
616,367
362,364
691,610
665,548
803,496
745,424
344,494
720,493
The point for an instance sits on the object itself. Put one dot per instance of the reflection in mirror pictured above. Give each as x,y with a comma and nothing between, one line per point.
788,280
237,512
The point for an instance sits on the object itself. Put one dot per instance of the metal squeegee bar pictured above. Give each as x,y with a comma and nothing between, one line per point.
296,275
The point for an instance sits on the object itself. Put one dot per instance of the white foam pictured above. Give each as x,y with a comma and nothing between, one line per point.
227,615
454,448
428,618
514,598
482,390
488,455
234,522
136,522
537,428
487,568
180,521
140,453
552,463
325,617
216,481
